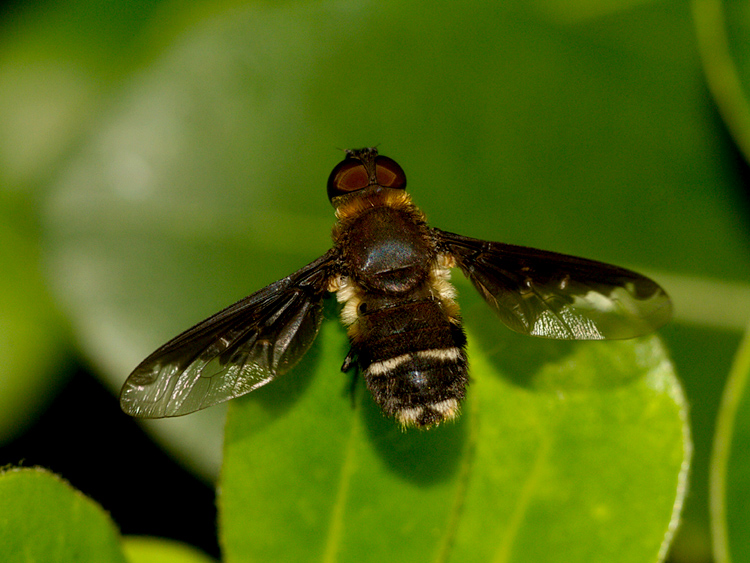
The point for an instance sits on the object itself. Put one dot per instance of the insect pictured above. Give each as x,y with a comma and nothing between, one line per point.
391,273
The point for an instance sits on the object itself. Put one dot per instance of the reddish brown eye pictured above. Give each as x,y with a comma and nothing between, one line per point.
389,173
349,175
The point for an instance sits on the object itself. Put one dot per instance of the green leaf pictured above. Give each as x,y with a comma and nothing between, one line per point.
578,458
723,31
140,549
730,485
703,358
44,519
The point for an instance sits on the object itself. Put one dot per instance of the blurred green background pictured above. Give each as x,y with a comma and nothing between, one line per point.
161,159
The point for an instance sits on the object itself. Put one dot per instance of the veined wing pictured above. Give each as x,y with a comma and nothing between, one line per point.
234,351
553,295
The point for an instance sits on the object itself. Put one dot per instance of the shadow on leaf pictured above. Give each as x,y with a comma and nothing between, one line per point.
423,457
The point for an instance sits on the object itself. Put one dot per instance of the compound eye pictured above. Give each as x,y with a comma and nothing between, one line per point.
389,174
348,176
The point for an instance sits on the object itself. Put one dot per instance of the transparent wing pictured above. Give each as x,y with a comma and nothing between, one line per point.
234,351
557,296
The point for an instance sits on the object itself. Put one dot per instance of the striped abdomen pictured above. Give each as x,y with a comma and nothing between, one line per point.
413,360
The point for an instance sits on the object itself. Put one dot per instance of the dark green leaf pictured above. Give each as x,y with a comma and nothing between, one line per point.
730,486
723,32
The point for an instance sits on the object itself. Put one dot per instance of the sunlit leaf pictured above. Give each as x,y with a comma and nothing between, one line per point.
140,549
581,456
45,519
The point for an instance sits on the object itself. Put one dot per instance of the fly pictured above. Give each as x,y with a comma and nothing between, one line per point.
391,273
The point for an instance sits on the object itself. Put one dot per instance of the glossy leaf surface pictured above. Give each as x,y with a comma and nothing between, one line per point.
539,467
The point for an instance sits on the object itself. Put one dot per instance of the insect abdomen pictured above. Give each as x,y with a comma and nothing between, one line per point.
413,361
